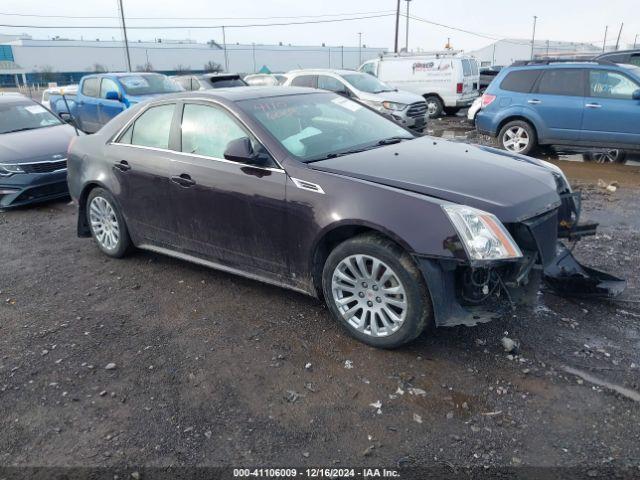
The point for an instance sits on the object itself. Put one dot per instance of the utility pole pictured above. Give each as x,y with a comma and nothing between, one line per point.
342,56
604,44
619,34
359,48
253,51
635,40
533,37
406,43
124,31
224,45
395,46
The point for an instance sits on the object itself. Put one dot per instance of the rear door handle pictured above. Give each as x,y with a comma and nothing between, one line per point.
593,105
534,101
123,166
184,180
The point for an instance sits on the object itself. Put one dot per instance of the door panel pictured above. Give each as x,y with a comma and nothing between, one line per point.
233,213
142,166
611,115
108,109
87,105
559,101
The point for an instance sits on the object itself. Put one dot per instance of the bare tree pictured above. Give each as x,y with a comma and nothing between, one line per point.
212,67
99,68
147,67
181,69
47,74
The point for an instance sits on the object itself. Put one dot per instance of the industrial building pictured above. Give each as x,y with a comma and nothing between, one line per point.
27,60
509,50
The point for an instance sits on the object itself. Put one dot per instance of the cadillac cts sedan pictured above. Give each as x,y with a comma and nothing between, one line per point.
314,192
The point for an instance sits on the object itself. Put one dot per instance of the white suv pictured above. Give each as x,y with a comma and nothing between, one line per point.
405,108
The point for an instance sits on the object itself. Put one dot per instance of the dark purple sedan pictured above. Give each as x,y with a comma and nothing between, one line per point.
320,194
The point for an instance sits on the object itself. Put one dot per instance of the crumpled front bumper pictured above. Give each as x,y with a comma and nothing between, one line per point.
458,301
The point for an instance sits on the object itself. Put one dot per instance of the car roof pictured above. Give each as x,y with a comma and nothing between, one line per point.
561,64
235,94
316,71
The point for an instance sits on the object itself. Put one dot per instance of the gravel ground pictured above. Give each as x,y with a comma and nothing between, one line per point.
156,362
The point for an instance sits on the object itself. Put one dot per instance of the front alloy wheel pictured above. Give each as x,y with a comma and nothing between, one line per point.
369,295
374,289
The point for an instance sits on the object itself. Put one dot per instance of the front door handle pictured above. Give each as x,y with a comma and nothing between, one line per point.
534,101
184,180
593,105
123,166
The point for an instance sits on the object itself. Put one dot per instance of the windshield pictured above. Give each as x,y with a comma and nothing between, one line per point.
367,83
19,116
321,125
148,84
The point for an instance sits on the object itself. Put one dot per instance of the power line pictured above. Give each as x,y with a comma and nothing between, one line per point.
195,18
182,27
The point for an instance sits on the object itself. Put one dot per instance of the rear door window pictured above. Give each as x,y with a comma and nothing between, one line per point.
305,81
521,81
607,84
474,67
151,129
91,87
565,81
466,67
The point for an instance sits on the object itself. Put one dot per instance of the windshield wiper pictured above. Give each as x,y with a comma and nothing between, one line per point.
392,140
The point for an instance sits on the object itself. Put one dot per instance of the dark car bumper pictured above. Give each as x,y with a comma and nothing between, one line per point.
27,188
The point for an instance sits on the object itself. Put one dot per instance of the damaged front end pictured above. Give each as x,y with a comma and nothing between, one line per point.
471,292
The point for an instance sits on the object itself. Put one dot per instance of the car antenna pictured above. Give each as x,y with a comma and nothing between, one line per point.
73,120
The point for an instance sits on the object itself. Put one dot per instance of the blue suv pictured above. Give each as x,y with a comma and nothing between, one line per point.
580,104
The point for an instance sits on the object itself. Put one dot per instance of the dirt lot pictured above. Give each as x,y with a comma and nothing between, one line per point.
211,369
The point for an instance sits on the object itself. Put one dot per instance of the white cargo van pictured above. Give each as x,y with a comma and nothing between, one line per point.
447,81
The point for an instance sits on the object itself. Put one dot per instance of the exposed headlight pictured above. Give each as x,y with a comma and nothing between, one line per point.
6,170
394,106
482,234
373,104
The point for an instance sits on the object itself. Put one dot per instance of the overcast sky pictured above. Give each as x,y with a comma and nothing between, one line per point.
571,20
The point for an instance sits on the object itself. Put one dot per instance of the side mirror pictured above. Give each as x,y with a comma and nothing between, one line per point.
65,117
113,95
240,150
636,95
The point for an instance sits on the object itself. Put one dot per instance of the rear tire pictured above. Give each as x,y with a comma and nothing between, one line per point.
610,156
107,224
518,136
435,108
376,292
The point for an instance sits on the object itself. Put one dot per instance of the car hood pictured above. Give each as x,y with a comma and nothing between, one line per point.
40,144
398,97
509,186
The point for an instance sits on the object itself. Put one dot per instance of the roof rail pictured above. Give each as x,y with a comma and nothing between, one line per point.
549,61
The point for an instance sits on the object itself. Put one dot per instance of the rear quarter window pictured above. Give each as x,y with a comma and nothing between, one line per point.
520,81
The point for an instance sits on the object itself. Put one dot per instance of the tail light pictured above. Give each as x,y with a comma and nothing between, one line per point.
487,99
459,87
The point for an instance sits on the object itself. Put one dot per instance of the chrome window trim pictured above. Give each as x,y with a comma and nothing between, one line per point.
187,154
186,101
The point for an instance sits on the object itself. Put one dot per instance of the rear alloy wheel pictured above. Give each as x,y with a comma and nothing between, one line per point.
610,156
107,224
373,288
517,137
434,106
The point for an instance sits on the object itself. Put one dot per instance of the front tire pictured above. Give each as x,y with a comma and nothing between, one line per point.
107,224
518,137
435,108
376,292
610,156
